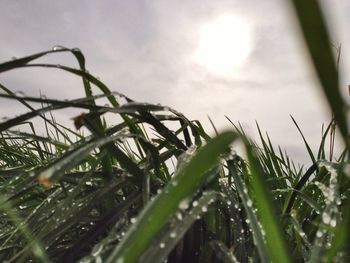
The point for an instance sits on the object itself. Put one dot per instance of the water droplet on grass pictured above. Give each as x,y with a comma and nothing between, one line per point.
58,47
184,204
326,218
333,222
162,245
19,93
76,49
319,233
179,216
249,203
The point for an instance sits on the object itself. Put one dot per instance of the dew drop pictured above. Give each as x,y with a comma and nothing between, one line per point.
133,220
97,251
333,222
58,47
204,209
19,93
249,203
162,245
195,203
179,216
319,233
173,234
76,49
326,218
184,204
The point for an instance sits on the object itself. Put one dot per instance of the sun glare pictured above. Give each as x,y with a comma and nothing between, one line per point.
224,44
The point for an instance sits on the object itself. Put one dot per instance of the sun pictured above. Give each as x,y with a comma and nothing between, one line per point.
224,44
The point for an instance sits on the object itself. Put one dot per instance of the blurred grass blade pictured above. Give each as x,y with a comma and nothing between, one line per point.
276,244
317,39
341,236
156,215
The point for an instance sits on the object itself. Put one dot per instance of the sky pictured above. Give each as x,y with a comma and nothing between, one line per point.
177,53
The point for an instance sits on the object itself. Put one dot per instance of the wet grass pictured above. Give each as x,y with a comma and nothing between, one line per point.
139,191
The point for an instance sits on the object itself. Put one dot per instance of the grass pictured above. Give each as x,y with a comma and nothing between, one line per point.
140,191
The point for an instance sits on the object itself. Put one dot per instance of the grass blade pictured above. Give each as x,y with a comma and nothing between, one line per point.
275,241
158,212
315,33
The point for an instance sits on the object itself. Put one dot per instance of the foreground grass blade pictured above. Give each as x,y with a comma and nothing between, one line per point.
316,36
157,213
275,241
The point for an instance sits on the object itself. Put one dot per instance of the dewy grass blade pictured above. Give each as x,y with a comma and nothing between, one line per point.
173,232
317,39
275,242
156,215
52,172
251,216
341,236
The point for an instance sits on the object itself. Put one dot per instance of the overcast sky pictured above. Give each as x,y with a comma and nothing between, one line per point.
146,50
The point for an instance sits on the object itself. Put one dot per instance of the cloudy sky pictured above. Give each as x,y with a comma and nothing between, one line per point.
178,53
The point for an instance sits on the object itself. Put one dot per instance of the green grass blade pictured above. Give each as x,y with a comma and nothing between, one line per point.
71,159
315,33
173,232
313,159
275,241
184,185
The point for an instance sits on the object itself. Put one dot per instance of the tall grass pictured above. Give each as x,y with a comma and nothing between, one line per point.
140,191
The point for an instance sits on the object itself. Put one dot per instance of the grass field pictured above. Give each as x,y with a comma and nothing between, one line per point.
155,187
